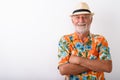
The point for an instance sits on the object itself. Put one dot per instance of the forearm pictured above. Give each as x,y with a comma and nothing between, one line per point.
96,65
68,69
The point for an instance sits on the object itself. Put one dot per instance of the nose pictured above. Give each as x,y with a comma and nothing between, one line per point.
81,19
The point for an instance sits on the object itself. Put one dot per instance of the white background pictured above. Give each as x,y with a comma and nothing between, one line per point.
30,31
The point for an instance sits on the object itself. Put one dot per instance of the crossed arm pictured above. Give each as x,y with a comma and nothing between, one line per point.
69,68
78,65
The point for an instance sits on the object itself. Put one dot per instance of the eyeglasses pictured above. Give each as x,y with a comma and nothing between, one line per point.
81,16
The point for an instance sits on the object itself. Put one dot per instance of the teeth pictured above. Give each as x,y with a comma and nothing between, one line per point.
81,24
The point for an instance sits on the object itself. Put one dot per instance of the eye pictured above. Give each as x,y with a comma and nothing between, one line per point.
77,17
85,17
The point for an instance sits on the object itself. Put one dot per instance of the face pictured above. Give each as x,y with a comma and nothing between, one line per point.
82,22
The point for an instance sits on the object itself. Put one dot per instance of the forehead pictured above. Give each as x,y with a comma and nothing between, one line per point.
80,15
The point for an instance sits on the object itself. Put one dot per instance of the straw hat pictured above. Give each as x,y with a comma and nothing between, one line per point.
82,8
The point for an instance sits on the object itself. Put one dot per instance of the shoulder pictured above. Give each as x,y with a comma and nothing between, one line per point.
67,37
99,37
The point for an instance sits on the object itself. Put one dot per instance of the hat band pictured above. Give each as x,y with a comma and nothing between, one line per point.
81,10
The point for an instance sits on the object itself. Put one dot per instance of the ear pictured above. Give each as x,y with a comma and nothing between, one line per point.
72,20
91,19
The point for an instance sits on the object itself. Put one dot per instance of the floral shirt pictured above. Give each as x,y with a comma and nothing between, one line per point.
94,47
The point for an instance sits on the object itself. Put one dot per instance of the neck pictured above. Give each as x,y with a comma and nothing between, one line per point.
82,35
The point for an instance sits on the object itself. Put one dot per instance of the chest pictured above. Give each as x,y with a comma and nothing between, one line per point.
88,49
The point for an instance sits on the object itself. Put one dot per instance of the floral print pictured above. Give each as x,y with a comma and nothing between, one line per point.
93,47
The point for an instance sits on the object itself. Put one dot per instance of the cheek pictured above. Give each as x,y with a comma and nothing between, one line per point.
75,22
88,22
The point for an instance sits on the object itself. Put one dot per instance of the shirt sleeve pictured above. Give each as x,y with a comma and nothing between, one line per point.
104,50
63,52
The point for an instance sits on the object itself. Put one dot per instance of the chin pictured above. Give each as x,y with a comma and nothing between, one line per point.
82,31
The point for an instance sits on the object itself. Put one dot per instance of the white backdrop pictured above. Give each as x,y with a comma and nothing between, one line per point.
30,31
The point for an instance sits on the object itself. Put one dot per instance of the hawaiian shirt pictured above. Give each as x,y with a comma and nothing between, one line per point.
93,47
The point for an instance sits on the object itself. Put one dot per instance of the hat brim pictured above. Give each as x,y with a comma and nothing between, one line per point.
78,13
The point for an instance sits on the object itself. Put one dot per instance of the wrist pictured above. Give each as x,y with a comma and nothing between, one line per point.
81,60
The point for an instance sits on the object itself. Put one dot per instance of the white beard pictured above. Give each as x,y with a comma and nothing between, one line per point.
82,28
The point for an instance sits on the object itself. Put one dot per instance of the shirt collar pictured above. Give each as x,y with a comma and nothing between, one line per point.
76,37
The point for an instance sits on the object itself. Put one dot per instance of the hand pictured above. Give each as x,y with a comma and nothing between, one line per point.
74,59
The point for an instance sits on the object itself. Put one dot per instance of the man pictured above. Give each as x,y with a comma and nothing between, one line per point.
83,55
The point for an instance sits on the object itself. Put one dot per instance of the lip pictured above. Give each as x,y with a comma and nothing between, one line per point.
81,25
